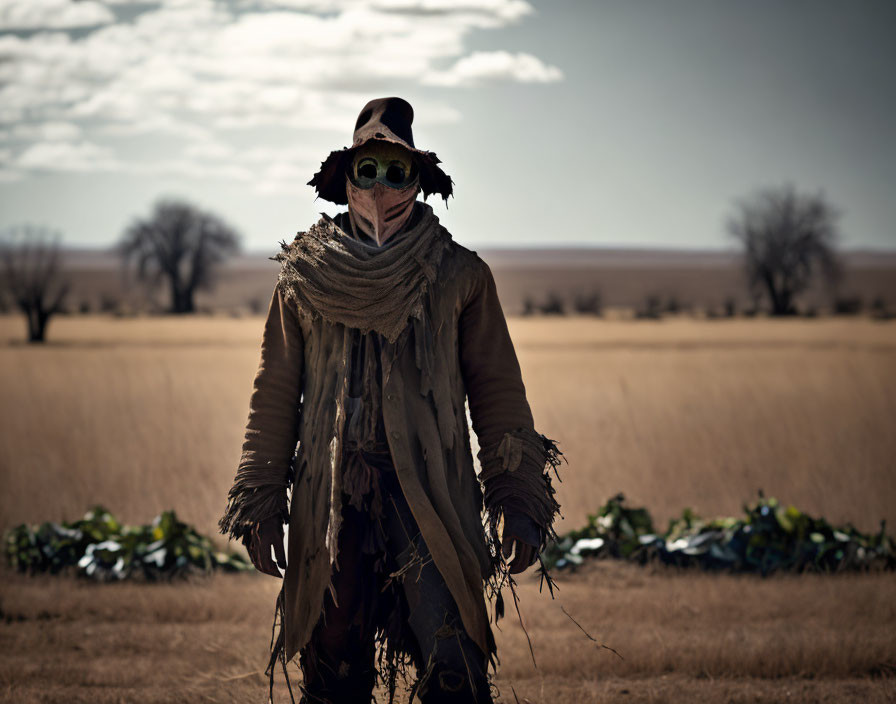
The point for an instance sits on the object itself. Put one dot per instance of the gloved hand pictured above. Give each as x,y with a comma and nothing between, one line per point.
520,536
258,542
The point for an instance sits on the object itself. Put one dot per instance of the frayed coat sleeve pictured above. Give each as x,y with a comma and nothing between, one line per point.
514,457
265,469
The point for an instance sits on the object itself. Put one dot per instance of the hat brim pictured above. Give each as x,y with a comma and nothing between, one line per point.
329,181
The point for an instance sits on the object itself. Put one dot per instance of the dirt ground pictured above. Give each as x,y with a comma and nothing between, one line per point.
680,637
147,414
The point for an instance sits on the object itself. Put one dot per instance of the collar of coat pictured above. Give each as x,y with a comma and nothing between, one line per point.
332,275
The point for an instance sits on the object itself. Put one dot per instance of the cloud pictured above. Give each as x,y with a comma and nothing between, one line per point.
67,156
55,14
201,71
490,12
282,177
46,131
483,66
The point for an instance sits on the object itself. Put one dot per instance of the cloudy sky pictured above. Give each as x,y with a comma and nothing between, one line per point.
618,122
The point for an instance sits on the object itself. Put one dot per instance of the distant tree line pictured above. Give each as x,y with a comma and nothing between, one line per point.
554,304
655,306
789,240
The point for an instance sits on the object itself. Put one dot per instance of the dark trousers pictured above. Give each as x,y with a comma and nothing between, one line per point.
389,591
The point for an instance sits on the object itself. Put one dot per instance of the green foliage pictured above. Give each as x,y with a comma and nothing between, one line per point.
100,548
614,531
769,538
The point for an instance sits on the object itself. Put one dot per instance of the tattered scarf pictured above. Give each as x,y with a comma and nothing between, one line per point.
332,275
335,277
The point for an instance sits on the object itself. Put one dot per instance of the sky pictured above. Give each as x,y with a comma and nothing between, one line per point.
627,123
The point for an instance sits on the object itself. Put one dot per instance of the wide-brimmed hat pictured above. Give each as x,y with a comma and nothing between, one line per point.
389,120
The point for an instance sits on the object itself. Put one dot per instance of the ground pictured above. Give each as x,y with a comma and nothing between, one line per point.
146,414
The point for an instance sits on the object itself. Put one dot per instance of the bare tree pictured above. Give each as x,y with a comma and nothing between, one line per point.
32,275
179,243
787,238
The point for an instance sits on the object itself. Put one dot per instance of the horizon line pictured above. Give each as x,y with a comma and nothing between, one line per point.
562,246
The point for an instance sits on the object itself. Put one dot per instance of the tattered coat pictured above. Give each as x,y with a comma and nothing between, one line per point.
454,348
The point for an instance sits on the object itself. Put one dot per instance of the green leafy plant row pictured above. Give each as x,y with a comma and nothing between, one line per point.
101,548
769,538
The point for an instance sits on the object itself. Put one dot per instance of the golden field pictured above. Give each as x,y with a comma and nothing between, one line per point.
144,414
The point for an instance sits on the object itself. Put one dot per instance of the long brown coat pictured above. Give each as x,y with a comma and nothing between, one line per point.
297,397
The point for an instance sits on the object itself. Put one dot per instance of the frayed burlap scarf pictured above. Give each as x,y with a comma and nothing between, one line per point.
365,290
335,276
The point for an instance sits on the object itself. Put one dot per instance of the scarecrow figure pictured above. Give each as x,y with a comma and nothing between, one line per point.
380,330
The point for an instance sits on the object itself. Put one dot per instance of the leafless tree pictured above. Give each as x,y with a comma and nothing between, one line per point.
181,244
32,275
788,237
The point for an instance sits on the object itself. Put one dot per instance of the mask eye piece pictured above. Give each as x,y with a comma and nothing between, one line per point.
388,166
367,169
395,173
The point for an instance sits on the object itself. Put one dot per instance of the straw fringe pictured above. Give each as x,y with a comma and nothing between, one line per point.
516,476
258,493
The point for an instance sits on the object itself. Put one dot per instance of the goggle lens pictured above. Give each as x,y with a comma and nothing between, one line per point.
368,170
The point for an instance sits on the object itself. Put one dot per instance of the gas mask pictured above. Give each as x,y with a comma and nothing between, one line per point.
381,187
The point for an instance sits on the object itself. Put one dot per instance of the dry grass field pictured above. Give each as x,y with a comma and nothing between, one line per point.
145,414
